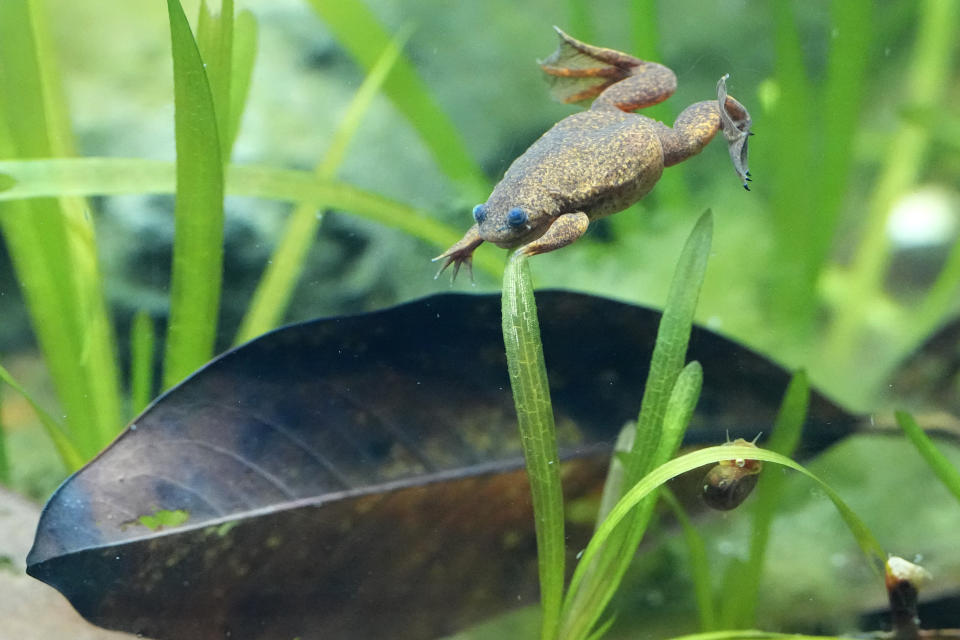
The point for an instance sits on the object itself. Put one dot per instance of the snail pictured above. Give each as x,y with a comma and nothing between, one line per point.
729,483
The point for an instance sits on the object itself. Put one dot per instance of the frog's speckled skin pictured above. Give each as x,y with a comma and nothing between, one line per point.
600,161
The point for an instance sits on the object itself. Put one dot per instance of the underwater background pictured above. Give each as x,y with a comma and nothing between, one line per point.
843,259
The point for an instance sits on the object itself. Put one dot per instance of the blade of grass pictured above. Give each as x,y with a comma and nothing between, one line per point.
275,289
584,605
939,464
602,578
4,458
215,43
52,242
66,446
141,362
740,612
792,291
874,553
360,32
198,212
851,44
699,564
26,179
244,57
531,396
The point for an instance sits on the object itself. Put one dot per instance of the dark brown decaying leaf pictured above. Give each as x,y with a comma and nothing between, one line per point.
359,477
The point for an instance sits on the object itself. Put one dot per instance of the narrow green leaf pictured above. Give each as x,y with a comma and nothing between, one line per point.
52,242
4,458
791,302
115,176
939,464
699,564
141,361
531,396
673,336
584,603
244,58
753,634
360,32
594,585
198,213
65,445
215,43
275,289
874,553
740,612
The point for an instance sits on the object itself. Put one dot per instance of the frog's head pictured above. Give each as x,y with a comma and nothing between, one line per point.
735,121
509,224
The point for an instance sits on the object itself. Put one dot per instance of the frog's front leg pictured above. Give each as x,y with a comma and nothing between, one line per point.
579,71
566,229
461,253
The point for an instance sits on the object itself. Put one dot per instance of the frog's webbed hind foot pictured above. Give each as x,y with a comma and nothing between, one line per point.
579,71
735,122
460,254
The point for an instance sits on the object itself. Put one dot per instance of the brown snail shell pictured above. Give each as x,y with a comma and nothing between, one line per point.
729,483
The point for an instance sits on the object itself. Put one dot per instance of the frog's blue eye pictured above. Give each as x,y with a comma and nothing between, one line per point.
479,213
516,217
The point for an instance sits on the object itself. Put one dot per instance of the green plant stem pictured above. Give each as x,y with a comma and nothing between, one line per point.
275,289
925,86
25,179
938,463
198,212
531,396
141,362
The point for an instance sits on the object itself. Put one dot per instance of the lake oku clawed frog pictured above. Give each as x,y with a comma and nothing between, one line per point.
600,161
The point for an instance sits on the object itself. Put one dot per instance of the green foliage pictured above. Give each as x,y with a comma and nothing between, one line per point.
531,395
52,243
667,394
948,474
743,578
359,31
142,340
273,293
198,230
817,150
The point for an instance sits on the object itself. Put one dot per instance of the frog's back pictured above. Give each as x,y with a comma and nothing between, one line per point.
596,161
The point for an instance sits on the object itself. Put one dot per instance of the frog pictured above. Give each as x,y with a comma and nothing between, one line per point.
599,161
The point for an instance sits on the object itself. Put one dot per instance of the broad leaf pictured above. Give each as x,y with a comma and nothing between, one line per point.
361,477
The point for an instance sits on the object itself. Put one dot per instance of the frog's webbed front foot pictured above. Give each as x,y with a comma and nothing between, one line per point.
566,229
460,253
580,71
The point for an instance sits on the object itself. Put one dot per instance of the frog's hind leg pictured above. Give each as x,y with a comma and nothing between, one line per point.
579,71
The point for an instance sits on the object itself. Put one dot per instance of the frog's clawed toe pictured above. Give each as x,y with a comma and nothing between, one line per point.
457,259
